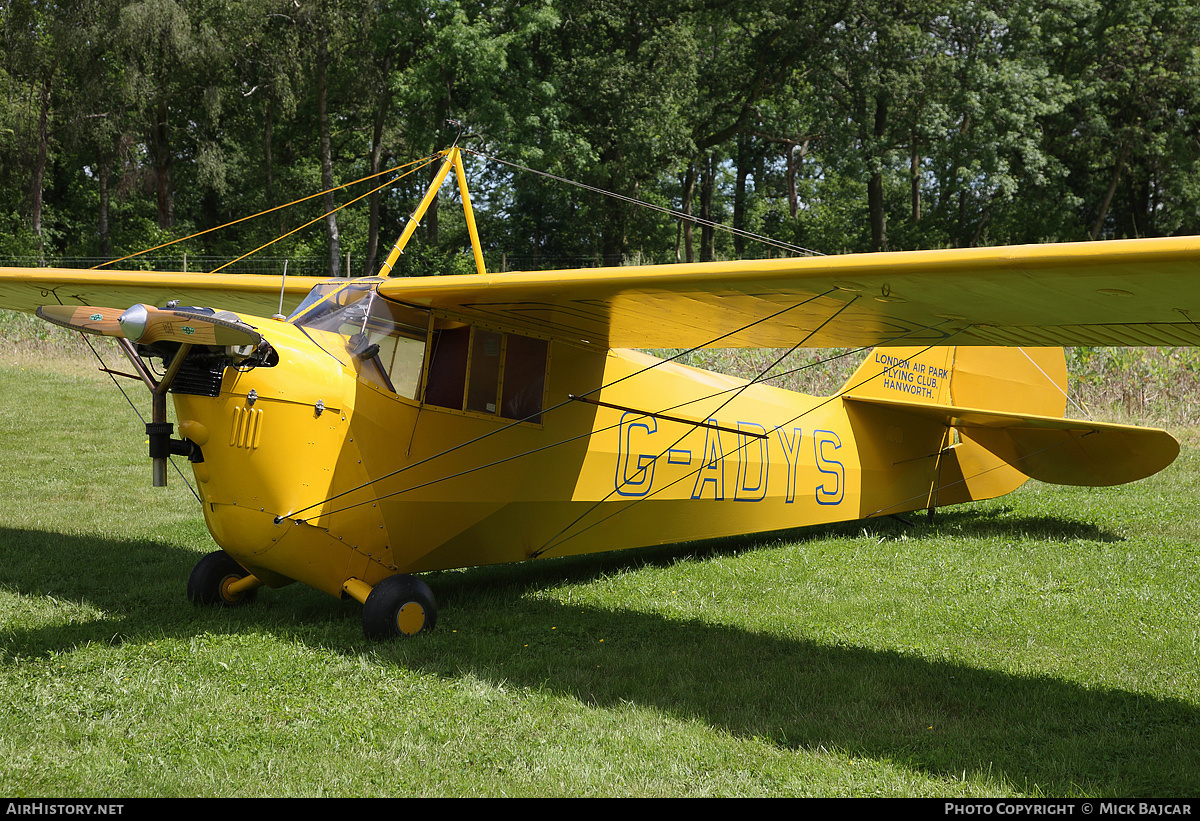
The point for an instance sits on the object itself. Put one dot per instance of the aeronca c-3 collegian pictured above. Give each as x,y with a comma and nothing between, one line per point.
389,426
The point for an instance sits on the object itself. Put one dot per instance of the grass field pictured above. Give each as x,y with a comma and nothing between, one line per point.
1042,644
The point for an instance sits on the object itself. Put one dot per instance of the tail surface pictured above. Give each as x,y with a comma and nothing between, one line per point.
947,425
1016,380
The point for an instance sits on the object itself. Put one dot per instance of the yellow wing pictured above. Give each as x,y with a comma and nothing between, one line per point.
26,289
1126,292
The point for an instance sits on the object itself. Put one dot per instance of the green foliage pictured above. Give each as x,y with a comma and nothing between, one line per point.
17,241
1161,385
838,127
422,259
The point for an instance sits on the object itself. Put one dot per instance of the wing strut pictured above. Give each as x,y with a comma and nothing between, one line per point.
453,159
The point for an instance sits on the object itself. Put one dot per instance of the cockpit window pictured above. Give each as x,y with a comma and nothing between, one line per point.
399,331
485,371
470,368
385,339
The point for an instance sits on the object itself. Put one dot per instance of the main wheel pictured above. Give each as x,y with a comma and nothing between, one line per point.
398,606
210,580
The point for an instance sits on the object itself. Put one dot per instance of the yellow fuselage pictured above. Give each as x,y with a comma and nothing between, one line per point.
365,483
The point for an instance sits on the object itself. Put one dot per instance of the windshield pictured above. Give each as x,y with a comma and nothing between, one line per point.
330,298
385,339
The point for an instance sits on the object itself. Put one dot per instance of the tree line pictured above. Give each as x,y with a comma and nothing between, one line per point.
831,125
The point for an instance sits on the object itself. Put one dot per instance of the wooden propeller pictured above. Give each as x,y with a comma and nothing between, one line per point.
86,318
147,325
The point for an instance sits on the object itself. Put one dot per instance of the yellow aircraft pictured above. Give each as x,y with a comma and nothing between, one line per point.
393,425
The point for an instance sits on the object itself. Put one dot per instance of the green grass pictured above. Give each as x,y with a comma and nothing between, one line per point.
1042,644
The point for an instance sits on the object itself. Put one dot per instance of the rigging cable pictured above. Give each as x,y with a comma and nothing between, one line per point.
424,160
786,246
966,479
323,216
845,389
593,432
549,543
514,423
104,369
589,433
1057,387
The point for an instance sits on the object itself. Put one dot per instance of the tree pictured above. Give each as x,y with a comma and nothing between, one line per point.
622,78
1139,112
39,43
175,59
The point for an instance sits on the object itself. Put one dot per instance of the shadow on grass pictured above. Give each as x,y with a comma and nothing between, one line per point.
1040,735
996,521
1035,733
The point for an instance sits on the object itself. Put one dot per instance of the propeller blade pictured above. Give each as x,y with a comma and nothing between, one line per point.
84,318
147,325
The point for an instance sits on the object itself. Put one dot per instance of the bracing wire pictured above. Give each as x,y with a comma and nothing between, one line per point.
762,376
419,164
591,432
551,544
738,392
323,216
104,369
423,162
1057,387
785,246
966,479
509,426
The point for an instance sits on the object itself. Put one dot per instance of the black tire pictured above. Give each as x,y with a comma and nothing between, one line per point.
398,606
209,577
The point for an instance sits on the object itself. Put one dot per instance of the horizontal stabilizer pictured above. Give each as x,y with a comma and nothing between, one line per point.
1052,449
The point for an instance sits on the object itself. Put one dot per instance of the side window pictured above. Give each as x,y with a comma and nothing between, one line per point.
487,371
448,367
391,346
524,378
484,381
402,356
